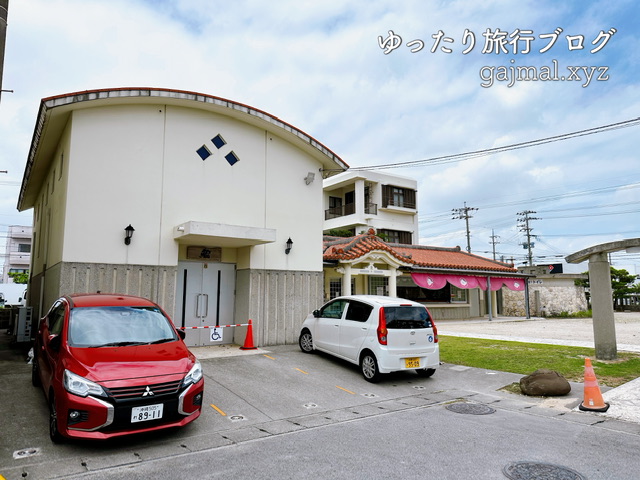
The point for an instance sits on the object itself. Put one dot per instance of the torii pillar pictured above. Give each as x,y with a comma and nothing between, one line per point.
604,325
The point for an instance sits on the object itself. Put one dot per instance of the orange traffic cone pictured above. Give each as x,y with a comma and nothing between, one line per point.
592,397
248,340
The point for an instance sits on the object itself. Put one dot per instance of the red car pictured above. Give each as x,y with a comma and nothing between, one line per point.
113,365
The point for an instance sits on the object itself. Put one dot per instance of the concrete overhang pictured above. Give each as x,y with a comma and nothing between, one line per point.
582,255
222,235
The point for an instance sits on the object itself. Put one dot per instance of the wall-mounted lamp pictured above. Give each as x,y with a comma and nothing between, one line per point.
289,245
128,233
309,178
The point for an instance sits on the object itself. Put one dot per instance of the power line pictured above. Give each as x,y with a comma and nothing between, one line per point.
459,157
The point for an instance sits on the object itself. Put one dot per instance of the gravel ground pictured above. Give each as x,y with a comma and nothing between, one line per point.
570,331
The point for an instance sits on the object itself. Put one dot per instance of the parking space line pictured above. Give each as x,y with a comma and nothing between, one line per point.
218,410
348,391
302,371
269,357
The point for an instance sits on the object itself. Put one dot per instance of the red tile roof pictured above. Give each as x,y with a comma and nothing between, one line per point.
416,256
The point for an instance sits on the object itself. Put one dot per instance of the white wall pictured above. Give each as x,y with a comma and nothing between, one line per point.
138,165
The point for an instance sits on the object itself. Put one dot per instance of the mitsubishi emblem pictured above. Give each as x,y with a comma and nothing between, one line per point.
147,392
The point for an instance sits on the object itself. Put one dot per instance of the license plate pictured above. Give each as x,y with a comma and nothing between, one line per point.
412,363
146,413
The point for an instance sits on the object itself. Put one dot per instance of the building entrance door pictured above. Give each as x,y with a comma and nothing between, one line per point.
205,297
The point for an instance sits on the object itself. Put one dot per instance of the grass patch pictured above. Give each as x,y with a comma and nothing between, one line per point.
525,358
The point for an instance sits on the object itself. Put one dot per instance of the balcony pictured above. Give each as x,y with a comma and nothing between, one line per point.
349,209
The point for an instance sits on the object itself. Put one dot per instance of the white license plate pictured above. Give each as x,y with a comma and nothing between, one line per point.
146,413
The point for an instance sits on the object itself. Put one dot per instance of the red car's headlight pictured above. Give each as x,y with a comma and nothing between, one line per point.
81,386
194,375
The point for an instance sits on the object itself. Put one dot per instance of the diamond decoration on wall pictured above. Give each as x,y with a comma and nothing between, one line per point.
203,152
219,142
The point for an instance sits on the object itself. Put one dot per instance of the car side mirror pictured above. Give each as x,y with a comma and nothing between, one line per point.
316,313
182,334
54,342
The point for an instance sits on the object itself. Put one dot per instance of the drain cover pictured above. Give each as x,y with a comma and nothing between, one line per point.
27,452
534,471
470,408
236,418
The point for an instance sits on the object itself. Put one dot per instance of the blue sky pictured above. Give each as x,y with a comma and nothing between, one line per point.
320,67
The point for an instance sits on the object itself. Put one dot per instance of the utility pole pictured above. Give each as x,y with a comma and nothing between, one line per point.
463,213
4,14
494,241
524,219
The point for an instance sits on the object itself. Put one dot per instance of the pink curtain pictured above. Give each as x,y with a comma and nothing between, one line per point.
427,280
436,281
464,281
517,284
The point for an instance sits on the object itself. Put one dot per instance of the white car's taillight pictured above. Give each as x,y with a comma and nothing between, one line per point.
382,327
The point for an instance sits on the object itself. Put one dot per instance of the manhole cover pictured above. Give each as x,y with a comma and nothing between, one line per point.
236,418
536,471
470,408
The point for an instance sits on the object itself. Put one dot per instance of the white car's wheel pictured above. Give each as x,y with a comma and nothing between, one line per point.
369,367
306,342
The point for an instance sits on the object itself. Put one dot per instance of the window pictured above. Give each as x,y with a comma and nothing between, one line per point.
458,295
395,236
335,288
358,311
349,203
335,202
24,248
56,319
335,208
407,317
379,286
333,309
398,197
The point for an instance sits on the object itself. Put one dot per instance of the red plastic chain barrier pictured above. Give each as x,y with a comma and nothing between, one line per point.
214,326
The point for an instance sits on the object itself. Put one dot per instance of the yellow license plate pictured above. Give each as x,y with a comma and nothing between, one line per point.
412,363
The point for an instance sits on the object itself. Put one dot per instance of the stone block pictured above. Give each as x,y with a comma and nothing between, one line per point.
545,382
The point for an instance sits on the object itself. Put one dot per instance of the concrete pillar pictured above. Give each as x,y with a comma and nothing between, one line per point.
360,206
489,299
494,303
604,326
393,290
346,279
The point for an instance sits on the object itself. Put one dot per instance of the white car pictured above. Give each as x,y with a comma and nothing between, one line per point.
381,334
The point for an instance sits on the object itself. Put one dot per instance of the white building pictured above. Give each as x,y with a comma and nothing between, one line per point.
18,251
357,201
212,189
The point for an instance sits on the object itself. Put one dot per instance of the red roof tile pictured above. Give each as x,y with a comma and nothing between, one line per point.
418,256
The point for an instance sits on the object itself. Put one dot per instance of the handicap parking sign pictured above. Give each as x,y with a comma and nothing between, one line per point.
216,334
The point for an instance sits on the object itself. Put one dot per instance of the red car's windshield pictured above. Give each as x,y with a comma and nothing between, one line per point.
118,326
